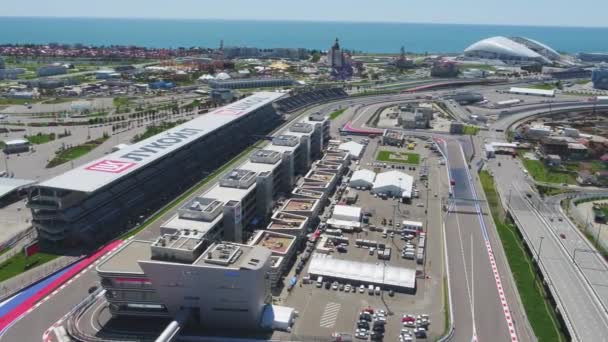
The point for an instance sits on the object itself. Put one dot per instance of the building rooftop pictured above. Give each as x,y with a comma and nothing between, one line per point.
277,243
320,176
124,260
307,193
302,127
265,157
286,140
283,220
8,185
238,178
234,256
112,167
299,204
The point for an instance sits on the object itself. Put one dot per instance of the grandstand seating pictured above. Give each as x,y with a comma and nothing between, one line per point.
301,100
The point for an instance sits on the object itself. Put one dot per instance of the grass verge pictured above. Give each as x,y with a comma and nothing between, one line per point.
538,309
40,138
337,113
19,264
74,152
398,157
541,173
194,189
155,129
471,130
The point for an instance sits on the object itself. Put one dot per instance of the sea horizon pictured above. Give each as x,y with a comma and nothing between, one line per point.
363,36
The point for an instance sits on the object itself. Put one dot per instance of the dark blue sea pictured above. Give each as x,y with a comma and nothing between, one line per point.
366,37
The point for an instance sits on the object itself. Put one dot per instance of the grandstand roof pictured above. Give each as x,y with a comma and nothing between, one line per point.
112,167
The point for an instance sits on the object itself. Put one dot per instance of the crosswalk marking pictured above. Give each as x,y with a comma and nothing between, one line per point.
330,314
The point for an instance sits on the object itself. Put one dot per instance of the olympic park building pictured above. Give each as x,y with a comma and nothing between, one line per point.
91,203
512,50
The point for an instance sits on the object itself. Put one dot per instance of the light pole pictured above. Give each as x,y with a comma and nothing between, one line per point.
599,230
6,163
540,246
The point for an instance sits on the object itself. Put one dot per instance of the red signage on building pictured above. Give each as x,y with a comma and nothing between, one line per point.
31,248
111,166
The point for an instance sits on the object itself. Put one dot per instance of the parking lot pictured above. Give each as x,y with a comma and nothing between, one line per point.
328,308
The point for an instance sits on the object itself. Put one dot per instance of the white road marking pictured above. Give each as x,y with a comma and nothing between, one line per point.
330,314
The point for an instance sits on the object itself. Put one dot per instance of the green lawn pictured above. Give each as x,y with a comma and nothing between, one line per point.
538,309
40,138
477,66
398,157
592,166
337,113
74,152
471,130
542,173
58,100
543,86
7,102
156,129
121,101
19,264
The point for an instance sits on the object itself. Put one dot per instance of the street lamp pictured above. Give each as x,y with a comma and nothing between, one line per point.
540,246
599,230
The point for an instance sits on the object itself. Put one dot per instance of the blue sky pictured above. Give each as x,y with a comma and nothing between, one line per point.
505,12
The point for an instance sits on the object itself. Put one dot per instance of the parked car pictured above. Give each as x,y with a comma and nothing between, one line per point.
361,288
335,285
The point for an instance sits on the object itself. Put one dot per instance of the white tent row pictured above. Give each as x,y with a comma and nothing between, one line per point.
363,272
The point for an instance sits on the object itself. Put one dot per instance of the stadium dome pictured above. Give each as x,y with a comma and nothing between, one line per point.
512,49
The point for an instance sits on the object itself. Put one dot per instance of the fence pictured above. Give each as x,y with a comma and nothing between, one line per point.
586,220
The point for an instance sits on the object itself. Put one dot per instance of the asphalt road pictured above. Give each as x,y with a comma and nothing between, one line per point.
583,313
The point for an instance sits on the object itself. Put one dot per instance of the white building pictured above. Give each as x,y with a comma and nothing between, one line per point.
394,183
532,91
353,148
362,179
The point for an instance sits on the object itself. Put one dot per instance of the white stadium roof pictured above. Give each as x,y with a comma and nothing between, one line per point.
112,167
503,46
362,272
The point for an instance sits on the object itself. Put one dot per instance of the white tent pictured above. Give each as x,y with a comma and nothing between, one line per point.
278,317
363,272
206,77
353,148
394,183
222,76
346,213
362,178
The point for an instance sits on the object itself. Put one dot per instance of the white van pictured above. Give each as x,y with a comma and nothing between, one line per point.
378,291
370,290
319,281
